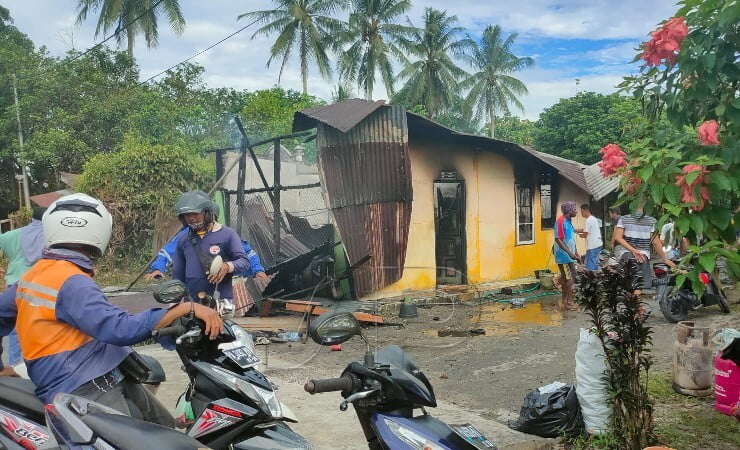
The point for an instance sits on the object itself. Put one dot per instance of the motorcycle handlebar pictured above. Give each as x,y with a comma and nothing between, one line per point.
174,331
344,383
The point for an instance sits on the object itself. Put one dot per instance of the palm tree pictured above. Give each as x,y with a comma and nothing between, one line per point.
432,80
138,16
305,24
493,87
371,40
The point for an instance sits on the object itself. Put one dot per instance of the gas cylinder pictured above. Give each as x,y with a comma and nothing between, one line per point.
692,360
726,385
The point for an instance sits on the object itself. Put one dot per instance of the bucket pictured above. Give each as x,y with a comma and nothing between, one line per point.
692,360
539,273
408,310
546,281
726,385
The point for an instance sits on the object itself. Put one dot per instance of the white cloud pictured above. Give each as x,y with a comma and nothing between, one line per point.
240,62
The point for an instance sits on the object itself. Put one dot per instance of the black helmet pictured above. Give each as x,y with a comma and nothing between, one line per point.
194,202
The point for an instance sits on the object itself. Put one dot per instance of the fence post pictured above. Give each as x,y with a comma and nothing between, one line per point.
277,217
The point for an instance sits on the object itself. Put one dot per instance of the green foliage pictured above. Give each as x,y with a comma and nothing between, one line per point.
492,87
700,86
302,25
577,127
432,79
137,16
608,299
515,129
371,41
138,181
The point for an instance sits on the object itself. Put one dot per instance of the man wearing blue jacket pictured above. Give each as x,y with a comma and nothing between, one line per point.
206,239
163,262
72,339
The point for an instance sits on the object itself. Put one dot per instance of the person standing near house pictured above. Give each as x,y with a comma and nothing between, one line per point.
614,214
594,244
23,247
633,235
566,254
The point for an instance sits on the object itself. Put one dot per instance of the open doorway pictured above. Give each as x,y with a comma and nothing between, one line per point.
449,225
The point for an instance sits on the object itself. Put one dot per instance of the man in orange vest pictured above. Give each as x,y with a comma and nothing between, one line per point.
72,339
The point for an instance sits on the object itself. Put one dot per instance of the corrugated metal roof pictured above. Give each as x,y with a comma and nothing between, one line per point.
572,170
45,200
343,115
599,185
367,176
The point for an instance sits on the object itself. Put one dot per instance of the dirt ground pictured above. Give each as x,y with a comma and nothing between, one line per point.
522,349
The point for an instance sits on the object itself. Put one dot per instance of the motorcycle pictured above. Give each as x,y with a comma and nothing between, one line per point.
385,389
234,405
675,302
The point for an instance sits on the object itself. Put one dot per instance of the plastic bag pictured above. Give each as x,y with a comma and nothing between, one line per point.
591,386
550,411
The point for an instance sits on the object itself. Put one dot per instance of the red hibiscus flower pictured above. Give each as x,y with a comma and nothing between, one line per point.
687,189
665,42
612,160
707,133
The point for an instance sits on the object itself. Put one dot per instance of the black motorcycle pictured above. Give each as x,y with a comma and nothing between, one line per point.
676,301
385,390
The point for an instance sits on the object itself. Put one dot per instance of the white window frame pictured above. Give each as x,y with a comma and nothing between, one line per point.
517,187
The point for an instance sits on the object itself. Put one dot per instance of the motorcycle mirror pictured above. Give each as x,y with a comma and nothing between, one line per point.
171,291
333,327
215,265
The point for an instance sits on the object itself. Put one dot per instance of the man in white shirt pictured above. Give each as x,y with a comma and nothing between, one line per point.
592,233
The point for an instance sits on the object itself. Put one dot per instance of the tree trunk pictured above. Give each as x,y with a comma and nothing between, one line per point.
304,64
491,123
130,42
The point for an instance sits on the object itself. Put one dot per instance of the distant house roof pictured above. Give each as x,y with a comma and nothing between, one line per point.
346,114
45,200
68,178
599,185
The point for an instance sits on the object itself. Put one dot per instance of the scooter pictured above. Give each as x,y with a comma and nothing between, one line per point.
675,302
385,390
234,406
22,421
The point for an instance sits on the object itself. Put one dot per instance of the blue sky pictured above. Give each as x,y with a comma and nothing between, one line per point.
592,40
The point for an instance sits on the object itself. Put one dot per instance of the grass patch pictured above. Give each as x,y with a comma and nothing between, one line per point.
684,422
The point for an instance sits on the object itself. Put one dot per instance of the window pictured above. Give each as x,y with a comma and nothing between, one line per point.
547,199
524,215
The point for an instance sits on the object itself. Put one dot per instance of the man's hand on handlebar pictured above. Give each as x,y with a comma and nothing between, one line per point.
214,324
153,275
670,263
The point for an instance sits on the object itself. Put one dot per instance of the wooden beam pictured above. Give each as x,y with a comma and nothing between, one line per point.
318,310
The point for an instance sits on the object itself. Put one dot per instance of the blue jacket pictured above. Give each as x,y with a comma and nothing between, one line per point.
220,240
81,304
165,255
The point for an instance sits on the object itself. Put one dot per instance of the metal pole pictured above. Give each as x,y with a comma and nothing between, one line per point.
26,195
277,217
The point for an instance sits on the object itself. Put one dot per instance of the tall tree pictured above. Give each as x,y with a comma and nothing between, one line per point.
371,41
432,80
137,16
577,127
303,25
493,86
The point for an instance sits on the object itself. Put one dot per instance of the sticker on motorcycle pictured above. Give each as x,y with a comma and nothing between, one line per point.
27,434
211,421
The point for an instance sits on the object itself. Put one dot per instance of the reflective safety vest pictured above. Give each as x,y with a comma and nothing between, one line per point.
39,332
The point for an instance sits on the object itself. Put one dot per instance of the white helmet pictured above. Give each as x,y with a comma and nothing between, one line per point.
77,219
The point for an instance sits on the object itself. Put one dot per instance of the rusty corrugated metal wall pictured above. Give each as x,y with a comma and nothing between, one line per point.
366,174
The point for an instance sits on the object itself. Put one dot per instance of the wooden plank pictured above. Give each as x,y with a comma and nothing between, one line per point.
318,310
288,323
301,307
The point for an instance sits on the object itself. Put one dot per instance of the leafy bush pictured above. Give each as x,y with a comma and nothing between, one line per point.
136,183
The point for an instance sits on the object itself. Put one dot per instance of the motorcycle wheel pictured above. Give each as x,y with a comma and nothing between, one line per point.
673,308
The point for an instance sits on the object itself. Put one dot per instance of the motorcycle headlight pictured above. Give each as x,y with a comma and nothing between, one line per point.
411,438
266,400
243,339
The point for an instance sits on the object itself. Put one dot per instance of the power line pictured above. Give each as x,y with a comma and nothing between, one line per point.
118,30
197,54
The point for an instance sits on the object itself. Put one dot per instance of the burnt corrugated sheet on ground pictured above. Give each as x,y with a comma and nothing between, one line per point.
367,176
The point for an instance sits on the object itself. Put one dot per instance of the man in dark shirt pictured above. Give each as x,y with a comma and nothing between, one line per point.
205,240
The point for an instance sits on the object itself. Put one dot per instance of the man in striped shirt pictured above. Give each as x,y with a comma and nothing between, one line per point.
633,236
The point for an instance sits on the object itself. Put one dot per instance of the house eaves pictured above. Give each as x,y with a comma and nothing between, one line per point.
343,115
599,185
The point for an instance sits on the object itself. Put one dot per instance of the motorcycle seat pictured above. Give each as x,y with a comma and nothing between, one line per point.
134,434
20,394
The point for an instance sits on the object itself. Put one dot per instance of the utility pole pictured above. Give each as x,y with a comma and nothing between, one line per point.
26,195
